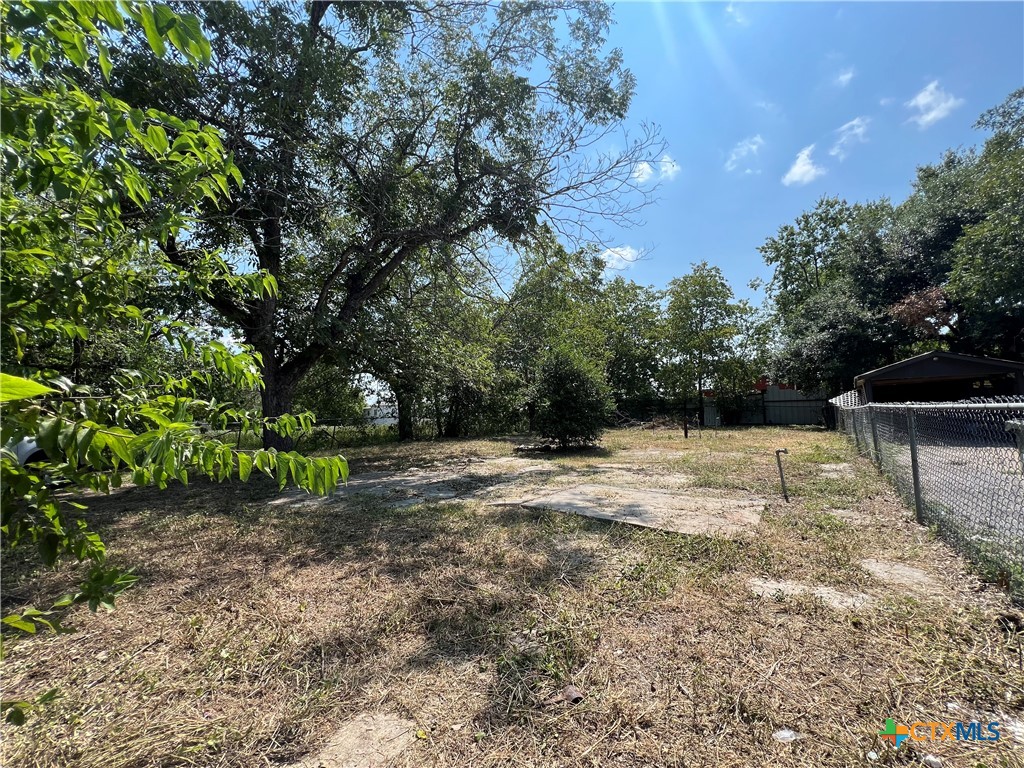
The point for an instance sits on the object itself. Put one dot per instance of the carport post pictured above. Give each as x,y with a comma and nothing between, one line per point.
915,469
874,435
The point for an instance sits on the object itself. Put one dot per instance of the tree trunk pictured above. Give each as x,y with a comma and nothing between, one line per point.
452,425
277,400
439,422
404,403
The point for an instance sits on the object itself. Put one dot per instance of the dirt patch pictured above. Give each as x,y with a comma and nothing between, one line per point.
902,575
713,516
834,598
367,741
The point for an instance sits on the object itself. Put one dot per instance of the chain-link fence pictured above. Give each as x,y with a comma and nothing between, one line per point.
961,467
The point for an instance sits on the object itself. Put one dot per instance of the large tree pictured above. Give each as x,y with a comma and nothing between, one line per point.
427,336
555,301
368,132
987,278
701,322
633,329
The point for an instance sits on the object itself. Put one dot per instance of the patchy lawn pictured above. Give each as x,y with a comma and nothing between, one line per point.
267,624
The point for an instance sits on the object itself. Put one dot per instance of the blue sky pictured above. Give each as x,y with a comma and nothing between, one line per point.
768,106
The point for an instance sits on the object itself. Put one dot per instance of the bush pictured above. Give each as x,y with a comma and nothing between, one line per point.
573,399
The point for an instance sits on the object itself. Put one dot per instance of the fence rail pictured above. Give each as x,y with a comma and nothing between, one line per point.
961,467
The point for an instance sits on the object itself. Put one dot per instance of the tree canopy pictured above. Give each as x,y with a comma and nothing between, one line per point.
370,134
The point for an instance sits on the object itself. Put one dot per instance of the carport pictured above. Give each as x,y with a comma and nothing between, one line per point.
940,377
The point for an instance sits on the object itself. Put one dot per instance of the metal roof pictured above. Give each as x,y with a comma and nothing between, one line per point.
984,364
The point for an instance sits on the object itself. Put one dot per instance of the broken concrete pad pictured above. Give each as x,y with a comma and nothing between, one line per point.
836,470
903,575
649,453
366,741
851,517
692,514
848,601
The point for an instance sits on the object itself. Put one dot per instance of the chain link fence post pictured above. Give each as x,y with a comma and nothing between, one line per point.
915,468
874,436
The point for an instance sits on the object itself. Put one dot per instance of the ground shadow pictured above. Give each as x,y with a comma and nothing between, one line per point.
456,580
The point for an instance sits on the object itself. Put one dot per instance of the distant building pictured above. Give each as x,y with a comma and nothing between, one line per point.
380,415
768,403
940,377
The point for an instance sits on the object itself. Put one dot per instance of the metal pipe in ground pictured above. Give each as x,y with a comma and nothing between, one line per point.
782,476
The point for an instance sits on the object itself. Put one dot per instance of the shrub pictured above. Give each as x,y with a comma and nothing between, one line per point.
573,399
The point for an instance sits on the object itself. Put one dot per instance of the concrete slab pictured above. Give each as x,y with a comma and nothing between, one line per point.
679,512
366,741
834,598
900,574
837,470
851,517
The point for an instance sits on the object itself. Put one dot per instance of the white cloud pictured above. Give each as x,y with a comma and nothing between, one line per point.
886,101
854,132
745,148
767,106
844,77
932,104
736,15
665,168
668,168
803,170
621,257
643,171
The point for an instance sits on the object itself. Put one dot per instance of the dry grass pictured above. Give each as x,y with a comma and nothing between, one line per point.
257,629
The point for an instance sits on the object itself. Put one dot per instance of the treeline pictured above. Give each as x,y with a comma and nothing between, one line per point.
460,356
859,286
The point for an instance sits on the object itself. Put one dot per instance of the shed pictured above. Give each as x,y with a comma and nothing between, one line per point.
940,377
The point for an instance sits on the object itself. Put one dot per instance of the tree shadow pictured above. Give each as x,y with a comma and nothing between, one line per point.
455,581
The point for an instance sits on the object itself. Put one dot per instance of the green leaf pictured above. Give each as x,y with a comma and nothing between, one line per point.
44,125
158,138
244,466
104,58
148,21
107,10
15,711
18,622
48,545
284,463
265,462
17,388
84,439
119,447
47,434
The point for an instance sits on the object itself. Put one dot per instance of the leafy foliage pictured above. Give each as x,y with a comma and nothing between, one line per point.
702,326
573,399
91,187
634,336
